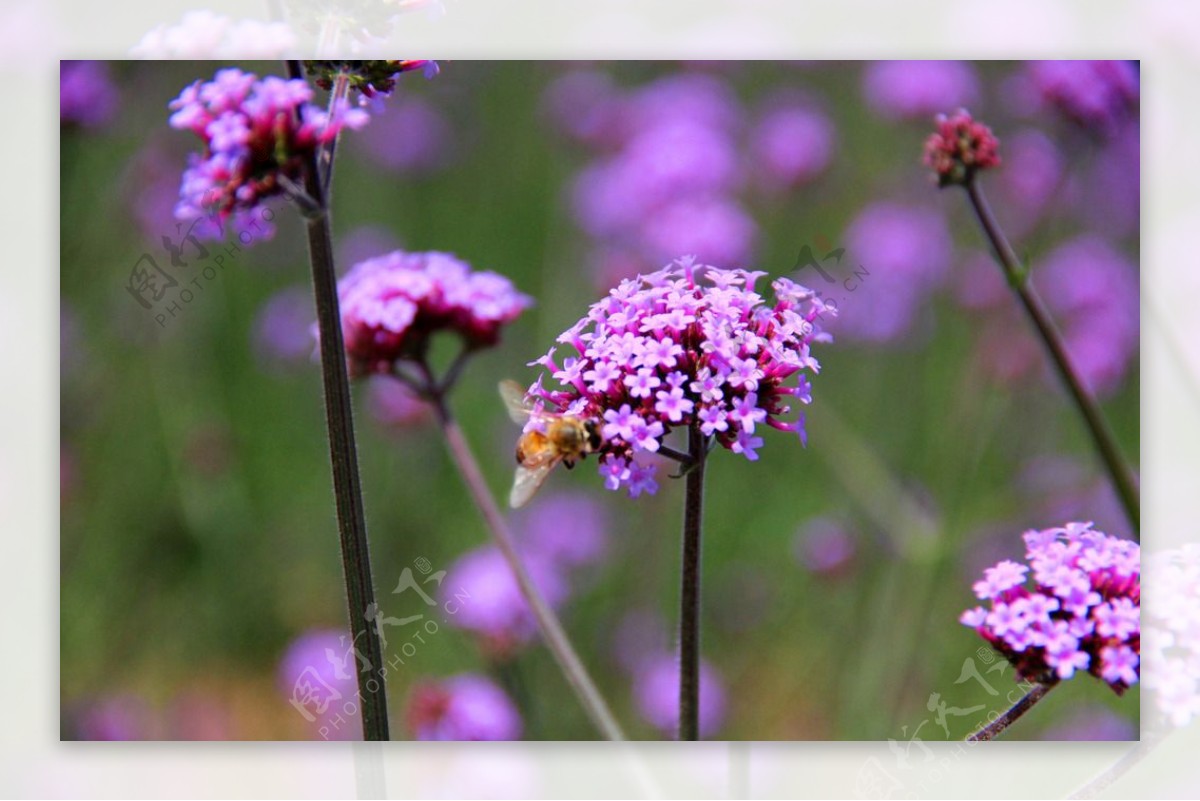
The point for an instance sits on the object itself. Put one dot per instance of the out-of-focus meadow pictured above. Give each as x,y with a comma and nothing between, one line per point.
199,551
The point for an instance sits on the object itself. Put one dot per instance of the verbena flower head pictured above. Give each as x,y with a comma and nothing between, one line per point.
392,304
462,707
959,148
370,78
1083,612
257,134
686,345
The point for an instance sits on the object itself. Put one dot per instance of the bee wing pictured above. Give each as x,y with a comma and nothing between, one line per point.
528,480
514,401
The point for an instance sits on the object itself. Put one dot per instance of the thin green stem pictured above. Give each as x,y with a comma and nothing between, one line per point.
339,420
1110,454
1000,724
689,596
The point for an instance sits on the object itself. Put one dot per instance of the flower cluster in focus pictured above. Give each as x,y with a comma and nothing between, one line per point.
393,303
1083,612
686,345
257,134
959,148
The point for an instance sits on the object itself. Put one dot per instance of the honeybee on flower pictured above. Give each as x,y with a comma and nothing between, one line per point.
552,439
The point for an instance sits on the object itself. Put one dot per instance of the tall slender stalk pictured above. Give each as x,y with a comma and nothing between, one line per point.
551,629
1110,454
689,596
339,421
997,726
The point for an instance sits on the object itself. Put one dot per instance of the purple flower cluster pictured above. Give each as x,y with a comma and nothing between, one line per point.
560,538
462,707
688,345
1097,95
393,303
257,134
1083,612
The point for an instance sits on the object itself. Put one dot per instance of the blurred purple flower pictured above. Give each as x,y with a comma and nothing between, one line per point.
1094,294
825,546
1096,95
1026,186
494,607
87,95
282,333
586,105
919,89
364,242
703,98
906,252
462,707
394,405
567,529
656,694
715,230
318,675
792,143
1092,724
116,717
1110,189
669,161
408,135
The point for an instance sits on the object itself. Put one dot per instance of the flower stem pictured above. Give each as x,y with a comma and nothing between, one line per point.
997,726
551,629
1102,436
689,597
339,420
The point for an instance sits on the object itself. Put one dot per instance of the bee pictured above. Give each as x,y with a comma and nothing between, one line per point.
566,439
